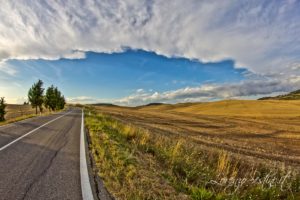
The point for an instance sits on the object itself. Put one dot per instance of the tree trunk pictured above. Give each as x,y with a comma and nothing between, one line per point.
36,110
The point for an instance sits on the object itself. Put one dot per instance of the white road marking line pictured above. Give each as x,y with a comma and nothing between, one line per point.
84,175
19,138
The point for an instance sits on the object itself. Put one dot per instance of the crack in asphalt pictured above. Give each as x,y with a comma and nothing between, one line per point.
37,178
43,172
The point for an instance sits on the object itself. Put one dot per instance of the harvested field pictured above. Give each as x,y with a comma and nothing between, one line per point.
15,111
183,143
270,130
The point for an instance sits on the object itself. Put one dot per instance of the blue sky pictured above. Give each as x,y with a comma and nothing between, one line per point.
113,76
138,52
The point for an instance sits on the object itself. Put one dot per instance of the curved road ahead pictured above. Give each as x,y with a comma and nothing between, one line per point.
45,163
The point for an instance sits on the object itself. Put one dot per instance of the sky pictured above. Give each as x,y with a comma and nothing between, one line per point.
137,52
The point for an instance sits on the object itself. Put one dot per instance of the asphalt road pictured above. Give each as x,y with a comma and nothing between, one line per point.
46,163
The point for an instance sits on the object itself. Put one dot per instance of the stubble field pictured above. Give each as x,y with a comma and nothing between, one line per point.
238,137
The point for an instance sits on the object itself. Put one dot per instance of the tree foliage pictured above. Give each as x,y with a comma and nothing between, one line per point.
49,98
2,109
54,100
35,95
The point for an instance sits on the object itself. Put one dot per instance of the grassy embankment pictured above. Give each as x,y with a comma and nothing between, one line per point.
138,164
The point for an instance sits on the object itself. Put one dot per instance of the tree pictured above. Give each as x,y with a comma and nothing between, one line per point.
35,95
59,100
54,100
50,98
2,109
57,95
62,102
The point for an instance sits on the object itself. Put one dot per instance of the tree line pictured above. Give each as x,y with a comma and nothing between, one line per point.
52,99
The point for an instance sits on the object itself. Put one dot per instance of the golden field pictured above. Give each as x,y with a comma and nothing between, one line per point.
264,129
15,110
235,138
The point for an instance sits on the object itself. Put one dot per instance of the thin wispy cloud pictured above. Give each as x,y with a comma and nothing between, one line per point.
7,69
87,100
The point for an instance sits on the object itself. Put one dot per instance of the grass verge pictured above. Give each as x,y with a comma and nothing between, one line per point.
137,164
23,117
12,120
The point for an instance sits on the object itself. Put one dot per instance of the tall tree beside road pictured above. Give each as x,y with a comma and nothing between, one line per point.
62,102
50,98
35,95
54,100
59,100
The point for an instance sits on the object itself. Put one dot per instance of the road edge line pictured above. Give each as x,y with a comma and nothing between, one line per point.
26,134
86,189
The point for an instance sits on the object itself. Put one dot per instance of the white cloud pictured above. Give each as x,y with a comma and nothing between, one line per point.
86,100
16,100
75,55
260,35
140,90
208,92
247,89
7,69
81,99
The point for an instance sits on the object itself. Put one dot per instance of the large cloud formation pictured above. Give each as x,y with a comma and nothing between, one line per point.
261,35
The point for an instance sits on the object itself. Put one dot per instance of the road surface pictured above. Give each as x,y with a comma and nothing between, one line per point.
40,158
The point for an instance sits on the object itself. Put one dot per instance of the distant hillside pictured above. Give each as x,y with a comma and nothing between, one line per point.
154,104
249,108
290,96
104,104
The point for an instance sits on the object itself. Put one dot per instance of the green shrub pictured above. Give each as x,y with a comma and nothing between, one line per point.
201,194
2,109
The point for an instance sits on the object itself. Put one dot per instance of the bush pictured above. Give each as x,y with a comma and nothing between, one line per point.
2,109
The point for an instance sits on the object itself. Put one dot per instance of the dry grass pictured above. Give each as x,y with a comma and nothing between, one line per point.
17,112
197,156
16,119
127,172
261,134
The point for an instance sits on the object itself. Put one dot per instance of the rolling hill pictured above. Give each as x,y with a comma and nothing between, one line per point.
295,95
